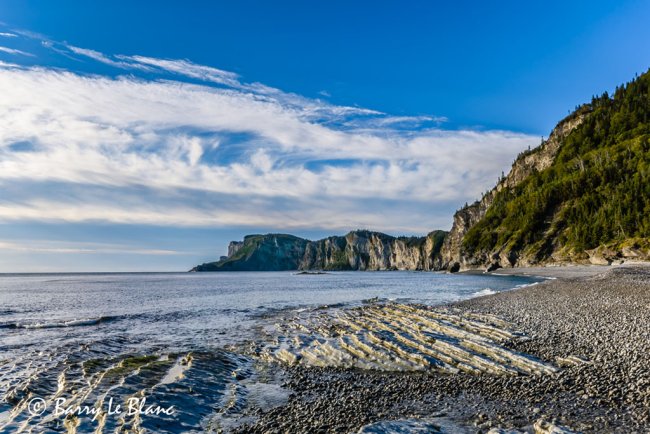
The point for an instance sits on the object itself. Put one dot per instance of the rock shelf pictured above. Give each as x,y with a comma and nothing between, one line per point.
400,337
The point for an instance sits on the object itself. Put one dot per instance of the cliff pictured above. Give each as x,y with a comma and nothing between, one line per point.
271,252
366,250
453,255
583,196
358,250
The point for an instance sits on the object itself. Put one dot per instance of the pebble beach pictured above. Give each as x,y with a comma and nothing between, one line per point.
589,323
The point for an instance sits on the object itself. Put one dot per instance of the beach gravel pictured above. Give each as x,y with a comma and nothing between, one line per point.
595,327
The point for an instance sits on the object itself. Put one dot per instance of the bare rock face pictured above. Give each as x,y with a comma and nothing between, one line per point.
630,251
366,250
326,254
601,256
234,247
452,255
358,250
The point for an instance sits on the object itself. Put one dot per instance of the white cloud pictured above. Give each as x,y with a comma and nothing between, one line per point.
14,51
8,65
409,120
8,35
238,155
309,108
336,215
48,246
189,69
98,56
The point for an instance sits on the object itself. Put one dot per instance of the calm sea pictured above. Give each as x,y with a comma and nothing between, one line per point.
152,341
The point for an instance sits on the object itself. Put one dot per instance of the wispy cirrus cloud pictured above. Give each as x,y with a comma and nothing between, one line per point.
101,57
188,69
309,108
49,246
15,51
176,143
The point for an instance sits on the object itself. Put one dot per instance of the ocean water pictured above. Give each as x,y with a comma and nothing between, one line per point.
160,345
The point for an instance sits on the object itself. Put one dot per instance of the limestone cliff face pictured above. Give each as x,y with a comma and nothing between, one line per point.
234,247
358,250
365,250
452,256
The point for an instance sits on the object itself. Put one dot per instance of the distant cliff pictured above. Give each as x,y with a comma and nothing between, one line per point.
358,250
582,196
271,252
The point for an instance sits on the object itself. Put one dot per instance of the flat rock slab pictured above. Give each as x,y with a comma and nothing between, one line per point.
400,337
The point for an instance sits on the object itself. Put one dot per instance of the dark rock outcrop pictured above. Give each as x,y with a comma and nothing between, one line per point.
271,252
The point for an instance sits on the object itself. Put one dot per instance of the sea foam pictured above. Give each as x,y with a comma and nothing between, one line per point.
482,292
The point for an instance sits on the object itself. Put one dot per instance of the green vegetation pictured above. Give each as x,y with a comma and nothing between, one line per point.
596,192
252,243
438,238
339,261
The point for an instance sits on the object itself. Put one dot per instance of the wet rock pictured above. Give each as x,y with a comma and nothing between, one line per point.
493,266
544,427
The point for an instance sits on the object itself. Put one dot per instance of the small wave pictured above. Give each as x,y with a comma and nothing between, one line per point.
400,426
482,292
8,311
373,300
524,285
58,324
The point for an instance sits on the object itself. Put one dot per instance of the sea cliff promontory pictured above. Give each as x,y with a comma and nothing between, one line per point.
357,250
582,196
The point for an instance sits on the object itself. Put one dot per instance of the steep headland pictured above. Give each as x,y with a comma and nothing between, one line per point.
358,250
270,252
582,196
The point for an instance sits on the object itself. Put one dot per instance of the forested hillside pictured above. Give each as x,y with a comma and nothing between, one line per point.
596,192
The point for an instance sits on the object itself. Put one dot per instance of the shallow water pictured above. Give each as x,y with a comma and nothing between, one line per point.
160,338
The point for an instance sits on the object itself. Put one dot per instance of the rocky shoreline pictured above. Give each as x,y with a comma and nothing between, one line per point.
592,326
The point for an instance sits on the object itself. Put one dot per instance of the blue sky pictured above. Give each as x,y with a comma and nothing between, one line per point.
146,135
